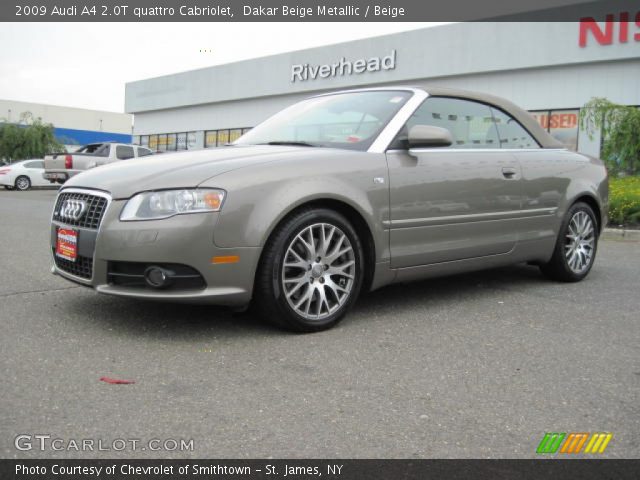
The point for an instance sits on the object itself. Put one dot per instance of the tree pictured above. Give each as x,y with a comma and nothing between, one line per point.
620,127
31,139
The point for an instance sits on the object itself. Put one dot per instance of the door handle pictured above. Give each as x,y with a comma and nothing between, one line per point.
509,172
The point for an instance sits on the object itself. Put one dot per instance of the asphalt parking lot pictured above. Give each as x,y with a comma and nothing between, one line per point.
473,366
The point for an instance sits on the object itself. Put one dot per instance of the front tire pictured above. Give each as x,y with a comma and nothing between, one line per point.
23,183
576,247
311,271
9,187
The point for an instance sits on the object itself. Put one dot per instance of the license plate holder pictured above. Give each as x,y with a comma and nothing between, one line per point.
55,176
67,244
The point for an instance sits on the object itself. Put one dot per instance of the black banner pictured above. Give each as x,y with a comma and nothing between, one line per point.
317,11
328,469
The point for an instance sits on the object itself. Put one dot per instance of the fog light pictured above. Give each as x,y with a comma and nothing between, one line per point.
157,277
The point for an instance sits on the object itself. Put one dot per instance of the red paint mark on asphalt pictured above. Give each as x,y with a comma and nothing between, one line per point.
115,381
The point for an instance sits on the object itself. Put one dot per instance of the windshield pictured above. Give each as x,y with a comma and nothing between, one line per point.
344,120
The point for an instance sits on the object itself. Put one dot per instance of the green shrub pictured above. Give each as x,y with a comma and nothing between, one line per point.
30,139
620,128
624,201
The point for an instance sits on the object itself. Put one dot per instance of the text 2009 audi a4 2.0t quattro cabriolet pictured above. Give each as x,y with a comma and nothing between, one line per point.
337,194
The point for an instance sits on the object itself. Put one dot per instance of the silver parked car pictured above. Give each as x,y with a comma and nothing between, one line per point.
340,193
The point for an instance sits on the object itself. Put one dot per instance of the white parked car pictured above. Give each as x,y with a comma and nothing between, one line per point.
23,175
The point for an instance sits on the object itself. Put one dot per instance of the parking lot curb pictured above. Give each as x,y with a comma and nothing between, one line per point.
620,233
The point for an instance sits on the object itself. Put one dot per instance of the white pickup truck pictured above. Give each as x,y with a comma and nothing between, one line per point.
59,167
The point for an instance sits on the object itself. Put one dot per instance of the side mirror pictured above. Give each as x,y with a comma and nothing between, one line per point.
421,136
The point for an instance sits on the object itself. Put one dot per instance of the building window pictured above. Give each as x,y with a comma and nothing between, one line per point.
219,138
542,117
191,140
181,141
211,139
136,140
171,142
234,134
223,137
162,142
561,124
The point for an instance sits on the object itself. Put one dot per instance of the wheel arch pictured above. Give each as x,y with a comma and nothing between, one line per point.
18,177
351,213
595,206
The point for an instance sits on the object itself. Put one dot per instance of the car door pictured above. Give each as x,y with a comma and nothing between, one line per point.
457,202
546,174
34,169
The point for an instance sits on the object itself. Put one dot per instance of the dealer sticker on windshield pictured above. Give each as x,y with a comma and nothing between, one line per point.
67,244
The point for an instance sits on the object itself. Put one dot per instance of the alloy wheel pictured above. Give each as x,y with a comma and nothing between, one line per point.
580,242
318,271
22,183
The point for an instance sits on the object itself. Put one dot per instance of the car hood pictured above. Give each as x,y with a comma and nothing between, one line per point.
177,170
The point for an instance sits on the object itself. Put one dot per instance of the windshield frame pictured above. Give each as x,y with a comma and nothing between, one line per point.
374,142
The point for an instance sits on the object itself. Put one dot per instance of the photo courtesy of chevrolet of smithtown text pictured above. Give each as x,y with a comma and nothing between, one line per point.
340,239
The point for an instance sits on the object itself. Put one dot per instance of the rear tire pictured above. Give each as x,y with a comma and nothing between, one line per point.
23,183
311,271
576,246
9,187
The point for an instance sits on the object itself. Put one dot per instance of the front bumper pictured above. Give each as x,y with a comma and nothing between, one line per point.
182,239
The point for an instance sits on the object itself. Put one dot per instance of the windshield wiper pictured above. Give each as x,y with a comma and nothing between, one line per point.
288,142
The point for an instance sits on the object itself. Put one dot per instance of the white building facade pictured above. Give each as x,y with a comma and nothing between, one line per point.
550,69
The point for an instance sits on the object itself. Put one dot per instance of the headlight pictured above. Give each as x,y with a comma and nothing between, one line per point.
167,203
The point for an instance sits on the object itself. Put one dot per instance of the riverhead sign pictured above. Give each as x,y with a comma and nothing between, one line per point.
302,72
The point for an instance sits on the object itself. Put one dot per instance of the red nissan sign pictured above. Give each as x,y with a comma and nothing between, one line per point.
614,30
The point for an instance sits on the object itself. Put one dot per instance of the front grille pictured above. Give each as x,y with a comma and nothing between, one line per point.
82,267
93,214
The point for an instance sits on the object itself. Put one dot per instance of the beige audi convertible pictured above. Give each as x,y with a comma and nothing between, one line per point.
340,193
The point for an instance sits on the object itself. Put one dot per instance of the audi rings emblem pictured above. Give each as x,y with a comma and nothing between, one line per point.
73,209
